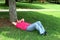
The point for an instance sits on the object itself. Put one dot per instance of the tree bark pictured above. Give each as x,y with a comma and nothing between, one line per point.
12,10
42,1
7,2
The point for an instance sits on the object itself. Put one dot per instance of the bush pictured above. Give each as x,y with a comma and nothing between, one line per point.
54,1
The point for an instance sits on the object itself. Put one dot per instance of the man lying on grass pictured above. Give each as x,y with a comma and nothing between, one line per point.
21,24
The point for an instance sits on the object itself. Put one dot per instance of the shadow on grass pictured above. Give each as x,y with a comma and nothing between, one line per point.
3,6
4,15
51,24
22,5
28,6
8,31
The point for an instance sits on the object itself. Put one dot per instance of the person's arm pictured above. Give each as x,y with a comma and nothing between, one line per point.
20,20
14,23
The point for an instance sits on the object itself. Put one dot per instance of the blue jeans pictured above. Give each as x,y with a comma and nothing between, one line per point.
38,26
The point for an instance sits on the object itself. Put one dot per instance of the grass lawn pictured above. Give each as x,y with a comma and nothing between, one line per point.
38,5
2,0
50,20
33,6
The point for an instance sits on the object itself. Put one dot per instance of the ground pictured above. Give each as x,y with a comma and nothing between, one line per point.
4,21
49,19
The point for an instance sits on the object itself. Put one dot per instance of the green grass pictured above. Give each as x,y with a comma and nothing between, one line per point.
32,6
2,0
29,6
38,5
3,6
50,20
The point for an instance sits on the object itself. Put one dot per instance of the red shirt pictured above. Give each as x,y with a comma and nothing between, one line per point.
22,25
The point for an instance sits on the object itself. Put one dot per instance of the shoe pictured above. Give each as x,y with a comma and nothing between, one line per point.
45,33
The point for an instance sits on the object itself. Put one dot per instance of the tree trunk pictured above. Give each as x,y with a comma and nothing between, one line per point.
42,1
7,2
12,10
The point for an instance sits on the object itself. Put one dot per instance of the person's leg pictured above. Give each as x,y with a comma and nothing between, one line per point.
39,29
35,26
41,26
31,27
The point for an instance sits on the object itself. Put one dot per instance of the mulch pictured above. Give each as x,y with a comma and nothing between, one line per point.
4,22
